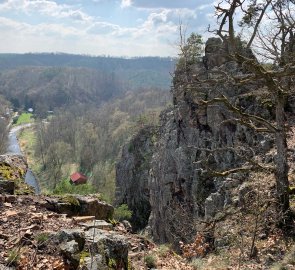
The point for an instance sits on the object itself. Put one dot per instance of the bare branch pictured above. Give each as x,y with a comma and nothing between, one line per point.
244,116
257,24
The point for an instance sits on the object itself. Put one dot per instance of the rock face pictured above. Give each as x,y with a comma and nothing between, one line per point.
132,174
193,141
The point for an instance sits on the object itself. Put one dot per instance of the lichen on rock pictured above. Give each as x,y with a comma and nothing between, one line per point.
13,168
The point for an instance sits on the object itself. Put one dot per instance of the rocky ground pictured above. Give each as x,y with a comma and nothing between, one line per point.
32,237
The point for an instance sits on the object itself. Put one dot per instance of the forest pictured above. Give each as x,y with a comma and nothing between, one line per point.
89,140
84,109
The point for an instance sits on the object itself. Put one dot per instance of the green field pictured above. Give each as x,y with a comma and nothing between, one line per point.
24,118
27,140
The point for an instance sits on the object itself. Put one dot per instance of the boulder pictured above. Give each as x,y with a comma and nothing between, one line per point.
93,249
112,247
77,235
70,252
71,243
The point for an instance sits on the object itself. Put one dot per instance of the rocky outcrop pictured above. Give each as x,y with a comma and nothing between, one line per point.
92,249
13,167
73,205
194,141
110,249
132,174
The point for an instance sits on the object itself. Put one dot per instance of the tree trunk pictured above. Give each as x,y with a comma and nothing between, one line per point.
282,168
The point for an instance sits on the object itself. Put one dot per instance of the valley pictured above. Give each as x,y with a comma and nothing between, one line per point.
142,163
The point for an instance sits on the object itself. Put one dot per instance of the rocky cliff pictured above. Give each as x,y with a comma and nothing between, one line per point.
179,183
133,173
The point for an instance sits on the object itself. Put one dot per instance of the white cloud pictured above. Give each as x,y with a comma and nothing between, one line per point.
45,7
126,3
22,37
150,33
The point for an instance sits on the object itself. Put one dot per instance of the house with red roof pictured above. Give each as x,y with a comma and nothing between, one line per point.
78,178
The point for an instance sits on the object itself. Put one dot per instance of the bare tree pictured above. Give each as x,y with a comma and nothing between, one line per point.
278,80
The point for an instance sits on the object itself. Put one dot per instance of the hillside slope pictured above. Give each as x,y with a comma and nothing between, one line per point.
137,72
47,88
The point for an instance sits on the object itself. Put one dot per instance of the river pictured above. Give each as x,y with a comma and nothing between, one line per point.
13,147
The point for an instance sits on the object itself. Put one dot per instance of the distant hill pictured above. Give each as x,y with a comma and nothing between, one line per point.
49,81
48,88
137,72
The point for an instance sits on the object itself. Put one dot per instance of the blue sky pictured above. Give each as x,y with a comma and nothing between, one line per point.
100,27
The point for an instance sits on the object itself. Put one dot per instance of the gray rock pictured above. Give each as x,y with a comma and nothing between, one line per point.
70,247
97,262
104,248
110,245
220,243
82,206
98,224
213,204
76,235
267,144
245,191
127,225
70,252
90,206
4,267
231,183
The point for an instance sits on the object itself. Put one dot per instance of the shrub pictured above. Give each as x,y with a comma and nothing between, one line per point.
13,257
150,261
41,238
163,250
122,212
65,187
196,249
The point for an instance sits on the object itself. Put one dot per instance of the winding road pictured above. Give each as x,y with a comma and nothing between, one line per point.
13,147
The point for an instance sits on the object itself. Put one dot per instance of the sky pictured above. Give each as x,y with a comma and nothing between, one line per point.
100,27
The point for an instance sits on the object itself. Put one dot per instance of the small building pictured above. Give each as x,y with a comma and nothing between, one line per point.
78,178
